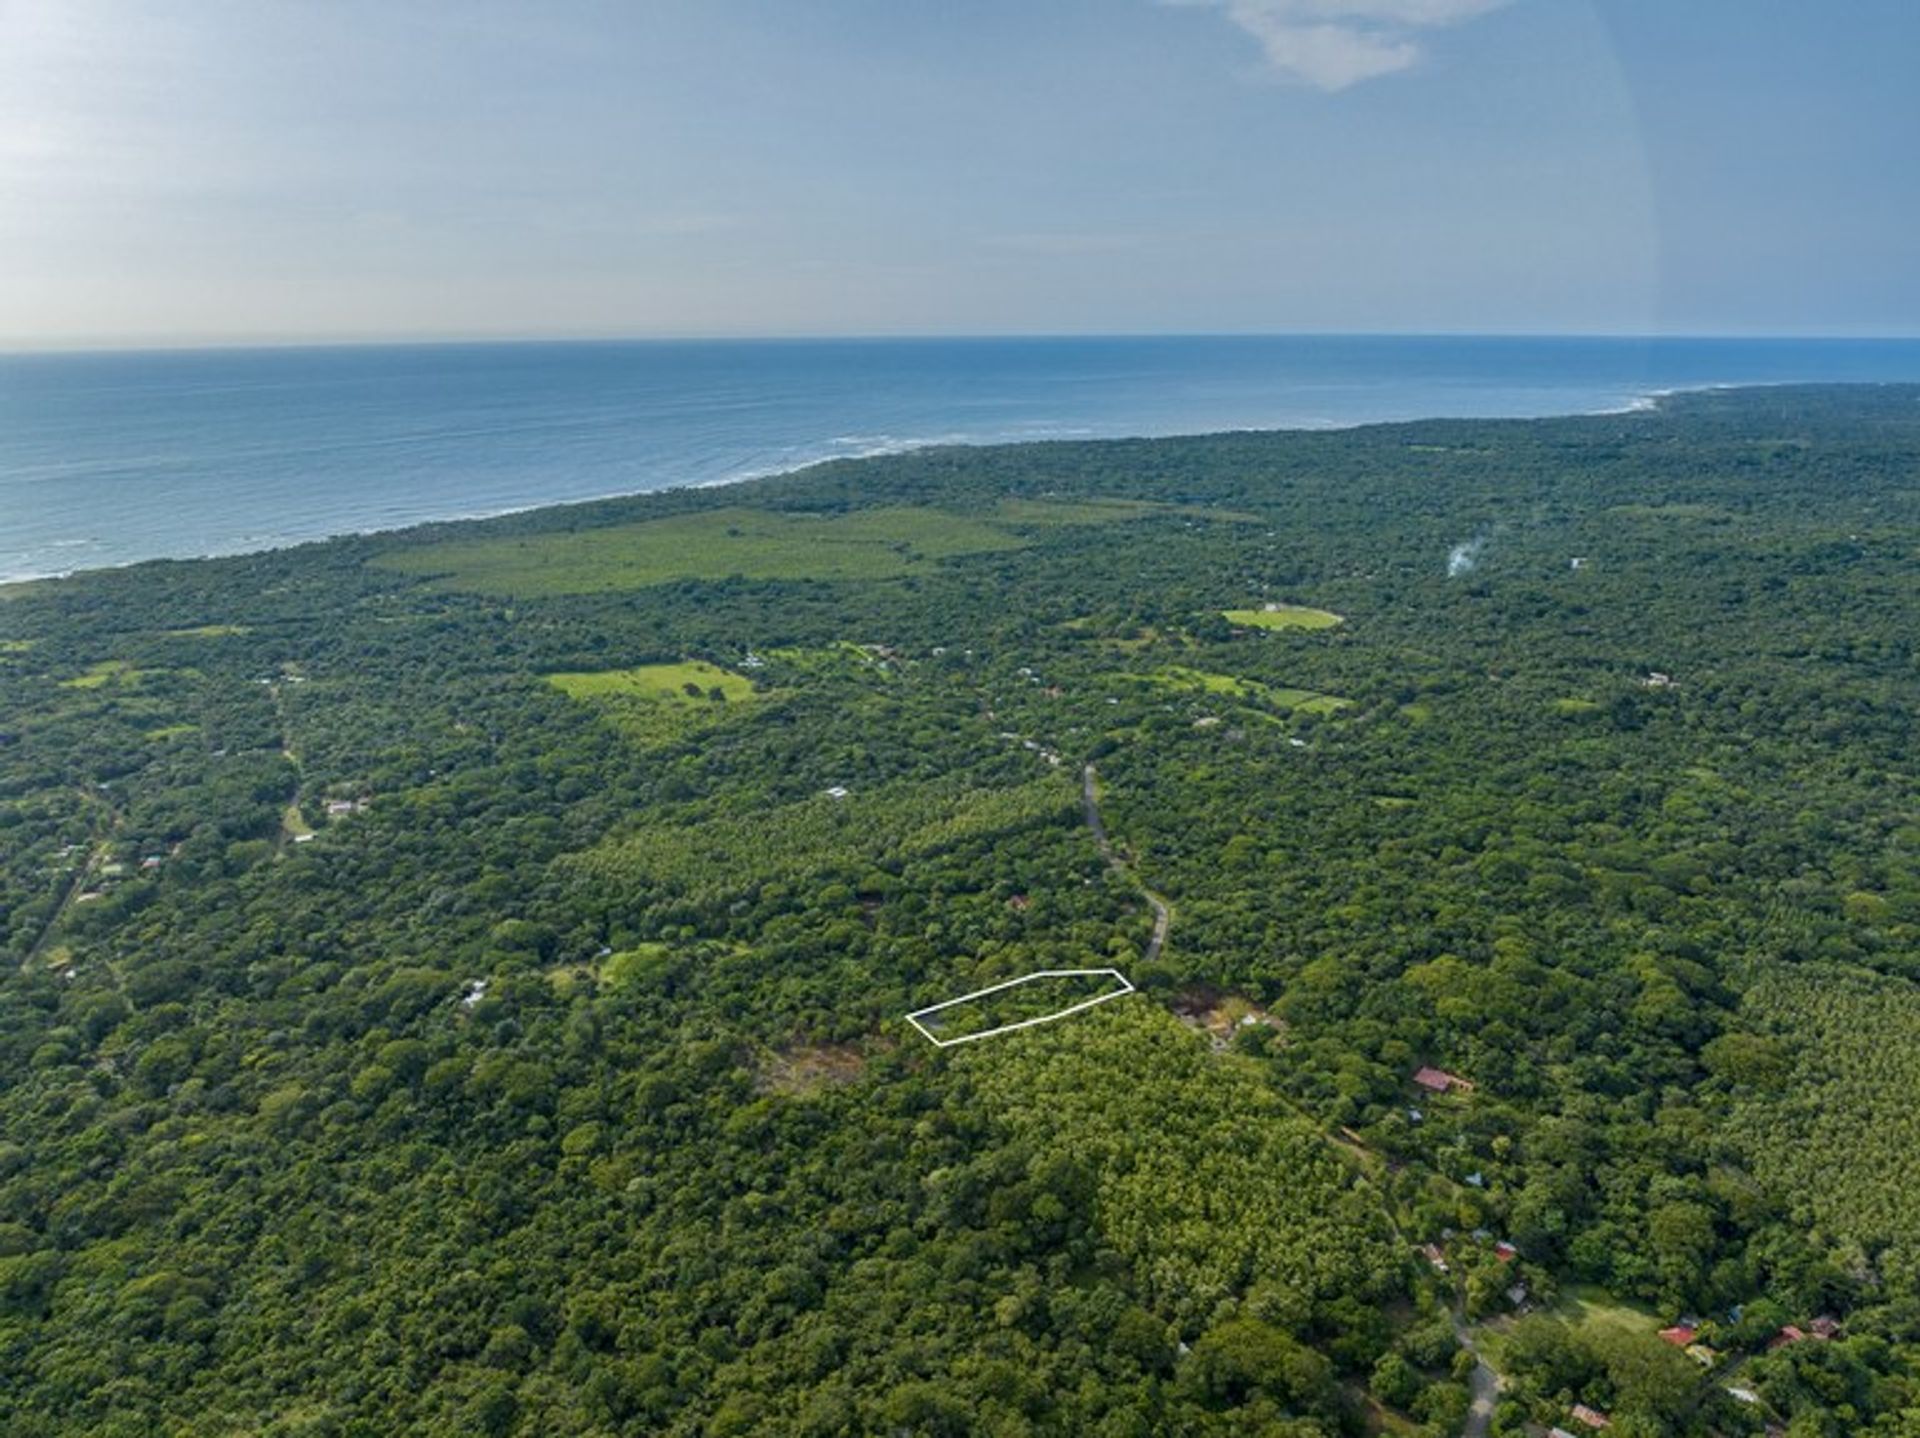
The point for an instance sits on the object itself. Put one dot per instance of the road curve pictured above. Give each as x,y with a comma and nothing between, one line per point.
1162,912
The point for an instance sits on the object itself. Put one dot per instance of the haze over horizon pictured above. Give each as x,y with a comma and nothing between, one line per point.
285,172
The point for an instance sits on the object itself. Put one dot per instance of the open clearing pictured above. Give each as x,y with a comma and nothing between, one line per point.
1283,616
210,631
1037,998
796,1072
1180,678
657,683
1580,1306
655,703
107,671
738,542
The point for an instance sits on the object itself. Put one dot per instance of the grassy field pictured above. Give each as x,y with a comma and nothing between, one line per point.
1581,1306
210,631
657,683
736,541
714,544
107,671
1229,686
652,703
294,824
1283,616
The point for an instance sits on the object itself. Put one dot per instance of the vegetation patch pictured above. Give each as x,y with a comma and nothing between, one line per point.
712,544
1200,681
1201,1176
1283,616
797,1072
659,702
842,658
1836,1142
708,861
688,681
98,676
1017,1004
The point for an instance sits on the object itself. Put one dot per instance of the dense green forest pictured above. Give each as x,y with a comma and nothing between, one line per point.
454,981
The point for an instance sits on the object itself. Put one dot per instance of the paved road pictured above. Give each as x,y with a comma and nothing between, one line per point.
1162,913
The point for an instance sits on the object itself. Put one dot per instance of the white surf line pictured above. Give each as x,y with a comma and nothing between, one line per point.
1126,987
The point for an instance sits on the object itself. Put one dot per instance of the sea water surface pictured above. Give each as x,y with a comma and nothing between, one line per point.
109,458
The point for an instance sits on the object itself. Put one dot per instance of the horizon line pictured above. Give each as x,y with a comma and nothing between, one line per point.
135,345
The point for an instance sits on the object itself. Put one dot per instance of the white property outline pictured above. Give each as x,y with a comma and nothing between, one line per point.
1126,987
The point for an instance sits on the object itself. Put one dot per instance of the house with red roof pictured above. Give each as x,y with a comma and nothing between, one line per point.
1440,1081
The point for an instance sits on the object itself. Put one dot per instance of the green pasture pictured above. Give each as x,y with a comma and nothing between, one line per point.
1283,616
739,542
107,671
657,683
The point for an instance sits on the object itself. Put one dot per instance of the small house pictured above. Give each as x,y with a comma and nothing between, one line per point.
1505,1251
1680,1335
1824,1327
1431,1252
836,791
1792,1333
1440,1081
1592,1417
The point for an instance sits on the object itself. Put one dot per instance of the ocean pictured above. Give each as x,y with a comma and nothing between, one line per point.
111,458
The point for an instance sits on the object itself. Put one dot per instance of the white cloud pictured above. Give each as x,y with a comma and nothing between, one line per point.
1337,43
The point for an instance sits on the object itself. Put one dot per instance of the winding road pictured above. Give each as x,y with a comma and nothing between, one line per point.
1162,912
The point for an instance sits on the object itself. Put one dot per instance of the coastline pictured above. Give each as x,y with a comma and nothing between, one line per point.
882,447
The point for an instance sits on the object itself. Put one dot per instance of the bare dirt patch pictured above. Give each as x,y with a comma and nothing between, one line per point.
809,1068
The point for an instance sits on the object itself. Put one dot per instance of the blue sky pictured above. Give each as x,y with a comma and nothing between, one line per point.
255,169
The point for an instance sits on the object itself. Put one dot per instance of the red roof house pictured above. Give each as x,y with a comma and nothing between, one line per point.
1440,1081
1790,1334
1680,1335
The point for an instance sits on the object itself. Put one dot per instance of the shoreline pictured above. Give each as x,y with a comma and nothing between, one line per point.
1647,402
